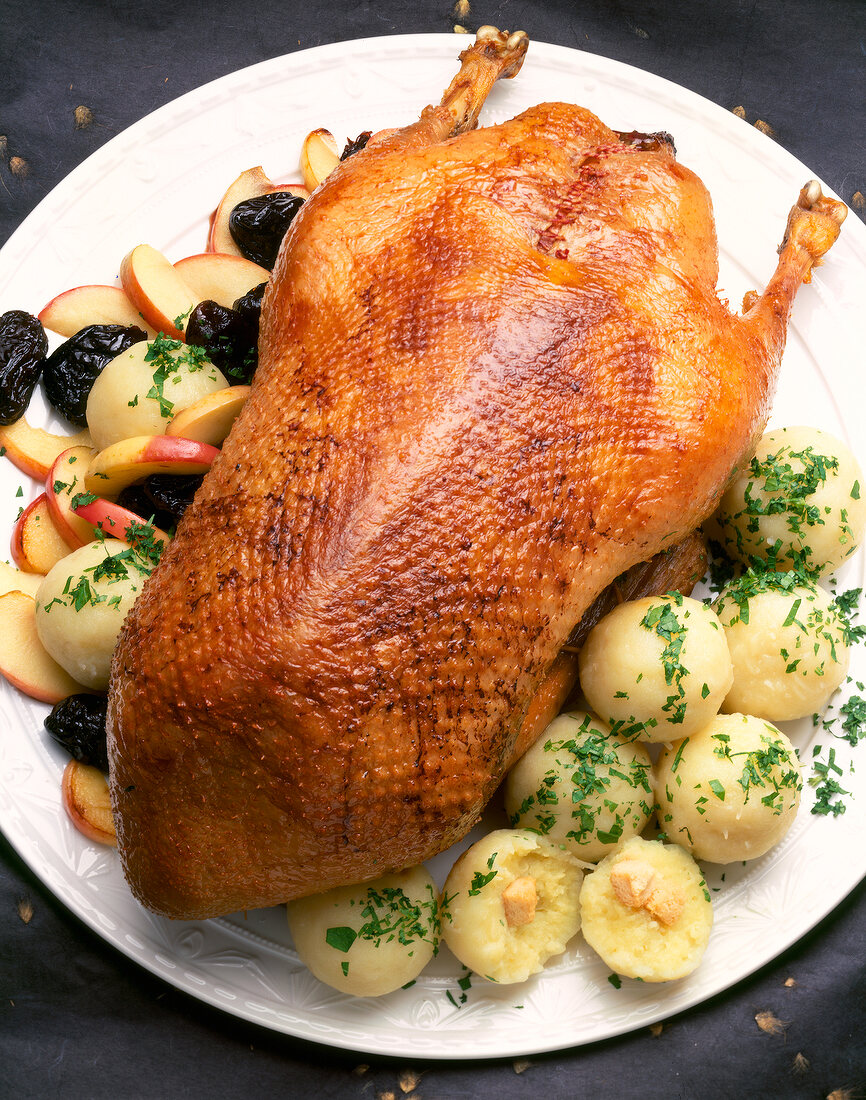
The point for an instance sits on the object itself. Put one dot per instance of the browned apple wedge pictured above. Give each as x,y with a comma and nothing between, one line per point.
88,803
115,520
220,277
81,306
134,459
210,419
33,450
37,545
15,580
319,157
250,184
156,289
65,482
24,660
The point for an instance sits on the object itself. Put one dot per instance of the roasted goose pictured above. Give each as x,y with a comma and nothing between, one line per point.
494,374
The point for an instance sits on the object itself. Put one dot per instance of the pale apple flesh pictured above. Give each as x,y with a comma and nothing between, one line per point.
86,799
134,459
93,304
16,580
64,483
24,661
210,420
319,157
156,289
37,545
220,277
34,450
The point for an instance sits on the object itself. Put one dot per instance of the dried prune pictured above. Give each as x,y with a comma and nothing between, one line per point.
78,724
22,356
258,225
249,305
229,338
71,369
355,145
136,499
173,492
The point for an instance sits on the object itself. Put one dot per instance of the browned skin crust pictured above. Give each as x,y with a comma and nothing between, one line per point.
494,375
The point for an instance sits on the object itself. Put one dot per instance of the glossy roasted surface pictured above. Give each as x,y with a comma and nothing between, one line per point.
494,375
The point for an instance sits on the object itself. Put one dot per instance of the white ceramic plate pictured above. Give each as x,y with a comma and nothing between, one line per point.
157,182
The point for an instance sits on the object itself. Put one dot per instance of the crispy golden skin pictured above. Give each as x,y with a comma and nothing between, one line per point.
494,375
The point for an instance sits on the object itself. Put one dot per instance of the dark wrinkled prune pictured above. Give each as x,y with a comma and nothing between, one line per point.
249,305
355,145
137,500
173,492
78,724
227,336
258,225
71,369
22,356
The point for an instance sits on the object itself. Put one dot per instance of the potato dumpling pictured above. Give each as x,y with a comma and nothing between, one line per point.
729,792
81,605
656,668
510,903
787,642
646,910
580,786
800,501
372,938
141,389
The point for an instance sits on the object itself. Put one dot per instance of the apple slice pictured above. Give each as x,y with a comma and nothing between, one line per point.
319,157
81,306
24,660
132,460
65,481
157,290
220,277
14,580
87,801
249,185
37,545
33,450
211,418
114,520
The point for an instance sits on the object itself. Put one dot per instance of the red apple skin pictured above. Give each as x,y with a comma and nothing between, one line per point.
66,521
130,460
87,801
24,661
113,519
33,450
93,304
36,543
150,282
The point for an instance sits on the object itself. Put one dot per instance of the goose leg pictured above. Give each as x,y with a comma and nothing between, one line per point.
813,226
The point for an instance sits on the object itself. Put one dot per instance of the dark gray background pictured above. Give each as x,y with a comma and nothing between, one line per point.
79,1020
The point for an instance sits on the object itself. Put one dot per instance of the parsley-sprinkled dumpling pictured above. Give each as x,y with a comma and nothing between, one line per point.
580,786
800,501
372,938
656,668
787,641
510,903
730,791
646,910
141,389
82,602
